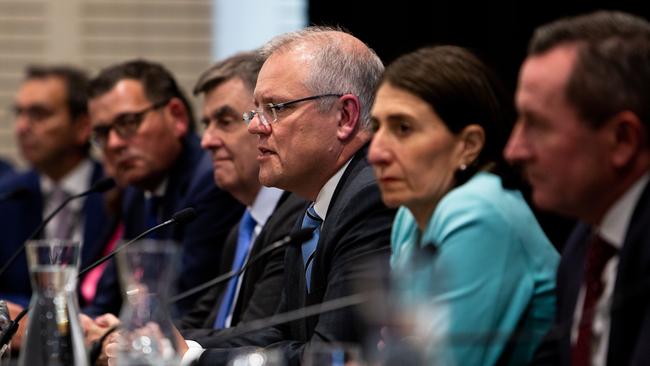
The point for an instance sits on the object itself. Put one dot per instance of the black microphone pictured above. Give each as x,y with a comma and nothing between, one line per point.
19,192
100,186
181,217
296,237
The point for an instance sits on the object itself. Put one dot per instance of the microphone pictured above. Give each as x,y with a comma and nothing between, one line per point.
296,237
298,314
181,217
100,186
19,192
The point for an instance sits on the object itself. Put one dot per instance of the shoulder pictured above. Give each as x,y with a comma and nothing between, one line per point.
481,201
27,180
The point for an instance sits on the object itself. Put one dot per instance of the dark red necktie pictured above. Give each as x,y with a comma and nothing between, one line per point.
599,253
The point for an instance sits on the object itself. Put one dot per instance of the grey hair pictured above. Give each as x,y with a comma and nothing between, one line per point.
336,67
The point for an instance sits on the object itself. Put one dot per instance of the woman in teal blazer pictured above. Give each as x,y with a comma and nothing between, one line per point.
471,264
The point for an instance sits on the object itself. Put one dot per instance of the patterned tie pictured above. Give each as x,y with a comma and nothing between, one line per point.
599,253
246,226
311,221
151,209
63,223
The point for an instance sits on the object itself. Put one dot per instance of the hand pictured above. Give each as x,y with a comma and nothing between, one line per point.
14,310
110,350
181,345
95,329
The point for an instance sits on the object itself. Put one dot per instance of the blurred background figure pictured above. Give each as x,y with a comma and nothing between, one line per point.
582,138
271,213
465,245
143,124
5,168
52,129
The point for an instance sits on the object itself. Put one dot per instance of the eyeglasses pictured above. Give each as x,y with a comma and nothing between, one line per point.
125,124
34,113
268,113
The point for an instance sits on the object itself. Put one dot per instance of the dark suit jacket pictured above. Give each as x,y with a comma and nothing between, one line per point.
355,231
261,286
190,184
629,338
20,216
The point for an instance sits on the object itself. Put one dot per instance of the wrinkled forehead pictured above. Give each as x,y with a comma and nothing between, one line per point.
284,74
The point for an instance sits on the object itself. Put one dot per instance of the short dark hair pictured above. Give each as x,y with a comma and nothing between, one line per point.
158,82
611,72
244,65
76,85
462,91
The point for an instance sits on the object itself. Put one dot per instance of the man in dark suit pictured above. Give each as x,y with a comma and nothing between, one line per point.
144,126
52,130
582,138
227,88
313,97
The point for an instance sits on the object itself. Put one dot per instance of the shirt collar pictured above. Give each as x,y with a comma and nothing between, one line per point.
159,191
616,220
264,205
75,182
322,203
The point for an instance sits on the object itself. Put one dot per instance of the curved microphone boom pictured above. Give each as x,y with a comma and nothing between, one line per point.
181,217
100,186
296,237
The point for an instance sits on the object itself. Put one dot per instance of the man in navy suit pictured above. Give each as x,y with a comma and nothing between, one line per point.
583,140
313,98
144,126
52,130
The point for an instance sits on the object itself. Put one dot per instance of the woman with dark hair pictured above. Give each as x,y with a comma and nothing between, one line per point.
464,237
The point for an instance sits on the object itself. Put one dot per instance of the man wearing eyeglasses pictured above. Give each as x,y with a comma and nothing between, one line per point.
143,125
313,97
52,129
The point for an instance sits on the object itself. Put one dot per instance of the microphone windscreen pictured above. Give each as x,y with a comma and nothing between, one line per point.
302,235
103,185
184,216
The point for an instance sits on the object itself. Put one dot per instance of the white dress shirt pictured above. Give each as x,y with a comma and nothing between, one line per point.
75,182
612,229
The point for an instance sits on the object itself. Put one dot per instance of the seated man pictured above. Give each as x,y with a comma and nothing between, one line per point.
52,130
313,97
143,124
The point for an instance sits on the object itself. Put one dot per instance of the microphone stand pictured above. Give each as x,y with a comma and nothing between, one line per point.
100,186
299,236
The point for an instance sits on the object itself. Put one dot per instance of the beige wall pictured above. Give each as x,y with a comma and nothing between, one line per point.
95,33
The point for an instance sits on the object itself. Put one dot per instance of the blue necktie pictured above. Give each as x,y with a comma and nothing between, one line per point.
310,221
151,206
246,226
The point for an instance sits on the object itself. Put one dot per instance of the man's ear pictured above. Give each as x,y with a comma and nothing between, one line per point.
179,115
472,141
628,136
349,115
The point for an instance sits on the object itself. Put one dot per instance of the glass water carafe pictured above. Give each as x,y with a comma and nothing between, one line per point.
146,271
54,336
